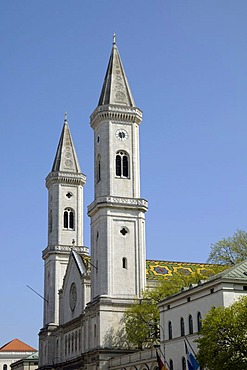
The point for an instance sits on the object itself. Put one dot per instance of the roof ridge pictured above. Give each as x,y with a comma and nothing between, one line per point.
16,345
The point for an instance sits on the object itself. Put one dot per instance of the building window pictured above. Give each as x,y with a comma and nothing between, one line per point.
79,339
182,326
124,231
124,263
68,219
65,345
122,164
171,364
72,342
69,344
98,169
169,330
5,367
199,321
183,363
190,324
50,221
95,331
76,341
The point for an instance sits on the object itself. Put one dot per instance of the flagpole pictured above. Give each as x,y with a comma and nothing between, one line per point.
163,352
190,345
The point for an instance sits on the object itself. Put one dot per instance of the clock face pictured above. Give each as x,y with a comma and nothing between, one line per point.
72,296
122,135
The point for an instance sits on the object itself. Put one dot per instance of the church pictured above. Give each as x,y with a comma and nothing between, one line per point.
85,296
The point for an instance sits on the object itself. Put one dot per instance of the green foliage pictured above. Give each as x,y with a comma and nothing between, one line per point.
141,320
223,338
230,250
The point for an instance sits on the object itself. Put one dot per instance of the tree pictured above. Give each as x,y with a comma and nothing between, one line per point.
223,338
141,320
229,250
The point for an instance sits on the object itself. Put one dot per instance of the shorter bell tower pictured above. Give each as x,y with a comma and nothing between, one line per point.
65,221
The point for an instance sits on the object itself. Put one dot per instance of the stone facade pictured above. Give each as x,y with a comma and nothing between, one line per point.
181,314
85,298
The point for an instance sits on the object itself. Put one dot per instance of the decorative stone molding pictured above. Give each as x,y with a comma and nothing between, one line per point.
116,113
138,203
64,248
65,178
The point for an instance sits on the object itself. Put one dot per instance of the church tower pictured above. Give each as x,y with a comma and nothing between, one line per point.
117,214
65,219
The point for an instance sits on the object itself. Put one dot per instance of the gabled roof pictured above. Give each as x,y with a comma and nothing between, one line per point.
116,89
66,158
33,356
80,262
16,345
237,272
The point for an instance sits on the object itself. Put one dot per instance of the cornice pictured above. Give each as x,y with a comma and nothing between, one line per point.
61,249
65,178
117,113
117,202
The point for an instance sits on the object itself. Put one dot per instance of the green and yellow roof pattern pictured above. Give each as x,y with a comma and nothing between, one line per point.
158,270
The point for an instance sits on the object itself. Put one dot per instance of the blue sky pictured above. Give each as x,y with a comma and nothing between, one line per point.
186,65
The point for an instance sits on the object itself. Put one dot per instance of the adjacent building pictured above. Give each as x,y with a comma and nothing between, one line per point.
13,351
181,314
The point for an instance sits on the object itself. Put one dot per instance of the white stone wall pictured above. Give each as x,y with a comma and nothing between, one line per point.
106,146
8,358
110,246
58,201
191,302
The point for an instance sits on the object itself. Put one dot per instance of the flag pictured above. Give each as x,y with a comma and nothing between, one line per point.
191,361
161,364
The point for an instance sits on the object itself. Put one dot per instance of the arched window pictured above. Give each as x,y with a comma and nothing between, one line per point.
65,345
118,165
98,169
199,321
124,263
169,330
122,164
76,341
69,344
171,364
5,367
79,339
182,326
190,324
183,363
68,219
125,166
72,342
50,221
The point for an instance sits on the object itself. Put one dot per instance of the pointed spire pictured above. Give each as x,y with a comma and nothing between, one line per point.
66,158
116,89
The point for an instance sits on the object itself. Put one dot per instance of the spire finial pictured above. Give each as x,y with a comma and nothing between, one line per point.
114,38
65,117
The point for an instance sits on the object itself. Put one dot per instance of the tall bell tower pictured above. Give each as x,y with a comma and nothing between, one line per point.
117,213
